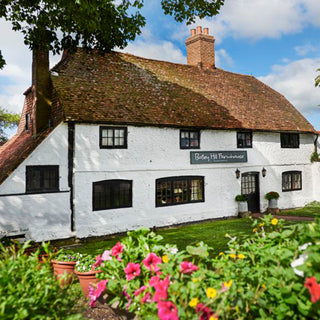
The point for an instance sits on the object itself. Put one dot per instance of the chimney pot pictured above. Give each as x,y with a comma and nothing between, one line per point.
199,30
193,32
205,30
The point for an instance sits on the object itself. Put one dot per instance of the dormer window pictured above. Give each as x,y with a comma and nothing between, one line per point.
189,139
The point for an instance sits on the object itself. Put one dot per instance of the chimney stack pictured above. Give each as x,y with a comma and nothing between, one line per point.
200,49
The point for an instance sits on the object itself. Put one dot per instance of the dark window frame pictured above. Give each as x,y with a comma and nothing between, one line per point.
245,145
170,181
291,173
42,170
189,139
125,144
289,140
28,120
114,186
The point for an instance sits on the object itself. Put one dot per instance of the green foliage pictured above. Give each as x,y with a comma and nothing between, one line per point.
272,195
314,157
317,80
240,197
99,24
253,279
311,209
66,255
84,262
28,289
7,120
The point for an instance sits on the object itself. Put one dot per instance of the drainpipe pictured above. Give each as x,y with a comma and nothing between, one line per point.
71,129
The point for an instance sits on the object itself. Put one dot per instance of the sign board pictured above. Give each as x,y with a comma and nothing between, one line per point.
201,157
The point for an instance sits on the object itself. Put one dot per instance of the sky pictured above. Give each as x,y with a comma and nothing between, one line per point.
274,41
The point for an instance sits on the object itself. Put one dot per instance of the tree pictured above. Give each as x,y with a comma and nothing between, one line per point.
317,80
7,121
99,24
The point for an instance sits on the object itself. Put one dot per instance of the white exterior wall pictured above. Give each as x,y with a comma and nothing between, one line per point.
154,153
42,216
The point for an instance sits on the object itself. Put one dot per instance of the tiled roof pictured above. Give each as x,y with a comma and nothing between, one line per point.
122,88
16,150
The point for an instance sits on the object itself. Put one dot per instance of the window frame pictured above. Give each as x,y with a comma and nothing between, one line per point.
189,139
42,169
27,121
171,180
294,140
125,144
291,173
112,184
245,146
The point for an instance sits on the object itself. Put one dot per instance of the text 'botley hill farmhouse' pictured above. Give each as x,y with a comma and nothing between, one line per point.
111,142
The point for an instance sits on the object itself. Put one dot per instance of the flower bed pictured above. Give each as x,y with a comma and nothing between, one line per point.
260,278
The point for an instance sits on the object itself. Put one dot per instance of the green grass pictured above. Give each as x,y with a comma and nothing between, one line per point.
312,209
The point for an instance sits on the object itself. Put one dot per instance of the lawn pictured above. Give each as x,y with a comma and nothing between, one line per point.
312,209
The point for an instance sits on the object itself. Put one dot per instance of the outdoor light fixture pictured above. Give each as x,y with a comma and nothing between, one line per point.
237,173
264,172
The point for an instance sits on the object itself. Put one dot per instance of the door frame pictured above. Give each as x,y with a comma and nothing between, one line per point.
256,174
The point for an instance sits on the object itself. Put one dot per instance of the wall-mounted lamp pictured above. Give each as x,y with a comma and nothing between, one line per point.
264,172
237,173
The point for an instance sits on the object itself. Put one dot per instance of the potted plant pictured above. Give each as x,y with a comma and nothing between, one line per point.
242,205
63,266
86,269
272,198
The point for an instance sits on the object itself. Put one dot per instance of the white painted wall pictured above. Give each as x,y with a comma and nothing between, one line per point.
155,153
43,216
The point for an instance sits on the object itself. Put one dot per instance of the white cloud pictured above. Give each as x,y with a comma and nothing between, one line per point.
303,50
223,59
295,81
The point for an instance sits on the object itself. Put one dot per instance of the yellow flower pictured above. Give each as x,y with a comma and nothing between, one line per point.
254,230
213,318
232,255
237,308
261,224
274,221
221,253
194,279
211,293
241,256
228,284
165,258
263,286
193,302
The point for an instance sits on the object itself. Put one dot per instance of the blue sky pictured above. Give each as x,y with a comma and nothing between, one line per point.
275,41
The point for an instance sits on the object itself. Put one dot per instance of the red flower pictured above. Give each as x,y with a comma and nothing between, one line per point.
95,294
153,280
187,267
152,261
161,288
132,270
146,298
314,288
204,312
116,250
141,289
167,311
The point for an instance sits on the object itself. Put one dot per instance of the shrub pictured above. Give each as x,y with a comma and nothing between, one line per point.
240,197
272,195
28,289
273,274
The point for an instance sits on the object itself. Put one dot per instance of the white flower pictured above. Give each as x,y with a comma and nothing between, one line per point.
173,250
305,246
299,262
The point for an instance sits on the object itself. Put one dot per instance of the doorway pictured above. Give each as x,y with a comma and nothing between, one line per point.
250,189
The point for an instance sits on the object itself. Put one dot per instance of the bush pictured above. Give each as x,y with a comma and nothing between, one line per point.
240,197
272,195
28,289
273,274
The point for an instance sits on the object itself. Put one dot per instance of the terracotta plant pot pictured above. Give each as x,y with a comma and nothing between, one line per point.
87,278
62,267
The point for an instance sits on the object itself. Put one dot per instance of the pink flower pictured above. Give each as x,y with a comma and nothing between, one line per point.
153,280
106,255
117,250
204,312
138,291
187,267
125,293
314,288
161,288
152,261
167,311
146,298
95,294
132,270
97,263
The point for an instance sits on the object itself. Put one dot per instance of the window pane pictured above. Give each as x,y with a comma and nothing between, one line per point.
196,190
163,193
34,179
180,191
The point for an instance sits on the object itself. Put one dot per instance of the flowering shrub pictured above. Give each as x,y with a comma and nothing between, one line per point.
64,255
256,279
272,195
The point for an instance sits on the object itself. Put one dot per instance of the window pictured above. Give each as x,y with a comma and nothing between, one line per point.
27,121
291,180
289,140
244,139
179,190
113,137
112,194
189,139
42,179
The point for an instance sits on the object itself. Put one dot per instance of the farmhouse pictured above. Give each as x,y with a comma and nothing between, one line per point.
108,143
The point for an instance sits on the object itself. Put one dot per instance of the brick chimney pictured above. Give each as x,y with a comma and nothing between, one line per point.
41,87
200,49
